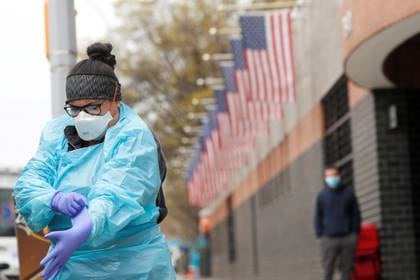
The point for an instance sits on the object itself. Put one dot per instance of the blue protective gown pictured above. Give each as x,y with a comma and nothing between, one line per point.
120,178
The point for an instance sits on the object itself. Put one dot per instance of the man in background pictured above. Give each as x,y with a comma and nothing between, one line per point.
337,223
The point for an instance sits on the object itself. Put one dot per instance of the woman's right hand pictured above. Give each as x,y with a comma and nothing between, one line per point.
65,243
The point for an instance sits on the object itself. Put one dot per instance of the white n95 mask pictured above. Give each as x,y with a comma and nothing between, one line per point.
91,127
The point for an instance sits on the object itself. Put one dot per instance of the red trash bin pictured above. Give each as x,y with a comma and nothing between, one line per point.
367,264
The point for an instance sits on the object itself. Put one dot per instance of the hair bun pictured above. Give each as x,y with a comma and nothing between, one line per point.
102,52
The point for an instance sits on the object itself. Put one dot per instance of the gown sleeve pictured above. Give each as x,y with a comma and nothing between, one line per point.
127,184
34,188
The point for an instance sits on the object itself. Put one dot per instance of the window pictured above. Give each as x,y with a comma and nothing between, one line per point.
337,144
335,103
337,140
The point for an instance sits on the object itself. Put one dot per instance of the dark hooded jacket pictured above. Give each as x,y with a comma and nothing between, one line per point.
337,212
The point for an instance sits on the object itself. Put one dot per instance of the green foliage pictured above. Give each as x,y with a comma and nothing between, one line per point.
160,49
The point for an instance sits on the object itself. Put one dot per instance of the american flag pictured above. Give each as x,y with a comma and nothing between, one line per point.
242,81
232,98
254,105
191,174
227,124
239,121
200,183
223,121
256,85
241,73
192,196
224,134
214,135
202,179
192,178
215,147
267,40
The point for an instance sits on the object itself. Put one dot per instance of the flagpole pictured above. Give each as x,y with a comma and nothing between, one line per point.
217,56
257,6
62,49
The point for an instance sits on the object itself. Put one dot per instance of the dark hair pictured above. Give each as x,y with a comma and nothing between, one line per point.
100,62
94,77
102,52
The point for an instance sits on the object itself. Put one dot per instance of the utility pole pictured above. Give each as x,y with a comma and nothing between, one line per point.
61,48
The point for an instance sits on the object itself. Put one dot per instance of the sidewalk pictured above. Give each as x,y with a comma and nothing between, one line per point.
183,277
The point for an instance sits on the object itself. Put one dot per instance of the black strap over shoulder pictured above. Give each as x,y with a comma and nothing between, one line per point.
160,200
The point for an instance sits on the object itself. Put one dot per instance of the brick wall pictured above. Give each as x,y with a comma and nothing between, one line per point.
414,137
386,174
397,230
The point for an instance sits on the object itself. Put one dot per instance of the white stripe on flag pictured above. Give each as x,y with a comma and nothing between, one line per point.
232,112
253,78
273,53
286,49
260,74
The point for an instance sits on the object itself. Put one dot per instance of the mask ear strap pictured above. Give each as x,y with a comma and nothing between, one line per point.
115,92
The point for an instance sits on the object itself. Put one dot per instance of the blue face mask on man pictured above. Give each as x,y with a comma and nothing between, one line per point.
333,181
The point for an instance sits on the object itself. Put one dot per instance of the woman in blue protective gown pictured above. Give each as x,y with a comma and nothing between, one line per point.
94,181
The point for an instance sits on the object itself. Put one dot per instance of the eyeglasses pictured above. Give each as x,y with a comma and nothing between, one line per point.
91,109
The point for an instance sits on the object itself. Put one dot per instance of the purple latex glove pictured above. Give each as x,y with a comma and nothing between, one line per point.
66,242
69,204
